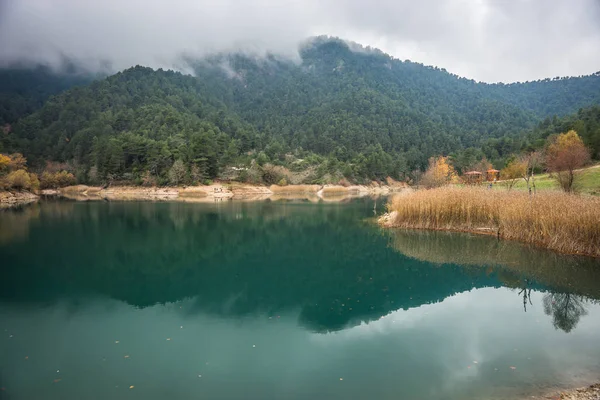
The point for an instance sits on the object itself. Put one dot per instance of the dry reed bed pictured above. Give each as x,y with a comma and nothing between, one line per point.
555,220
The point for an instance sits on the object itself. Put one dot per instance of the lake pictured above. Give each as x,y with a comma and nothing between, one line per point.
282,300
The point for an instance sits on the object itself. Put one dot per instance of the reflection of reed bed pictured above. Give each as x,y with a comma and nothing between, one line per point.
577,274
311,197
337,199
555,220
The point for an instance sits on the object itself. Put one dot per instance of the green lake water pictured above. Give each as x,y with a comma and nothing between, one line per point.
280,300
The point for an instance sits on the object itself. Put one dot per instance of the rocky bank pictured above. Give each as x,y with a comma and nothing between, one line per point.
13,199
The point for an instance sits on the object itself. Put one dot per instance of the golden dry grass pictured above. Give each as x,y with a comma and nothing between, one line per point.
551,219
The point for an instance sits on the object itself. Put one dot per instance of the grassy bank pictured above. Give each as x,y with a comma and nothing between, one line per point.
551,219
588,182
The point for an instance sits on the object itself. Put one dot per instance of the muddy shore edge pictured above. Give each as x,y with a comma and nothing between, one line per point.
585,393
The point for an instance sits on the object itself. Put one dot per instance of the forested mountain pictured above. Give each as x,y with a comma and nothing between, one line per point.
586,122
24,90
351,98
339,111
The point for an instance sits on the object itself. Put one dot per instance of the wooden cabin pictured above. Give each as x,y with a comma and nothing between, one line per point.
473,177
492,175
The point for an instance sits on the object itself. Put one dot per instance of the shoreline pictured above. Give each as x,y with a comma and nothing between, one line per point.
387,221
222,192
591,392
9,199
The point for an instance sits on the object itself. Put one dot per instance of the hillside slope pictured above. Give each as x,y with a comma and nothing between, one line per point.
356,112
24,90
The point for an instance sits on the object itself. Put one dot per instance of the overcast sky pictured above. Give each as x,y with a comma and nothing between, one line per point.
488,40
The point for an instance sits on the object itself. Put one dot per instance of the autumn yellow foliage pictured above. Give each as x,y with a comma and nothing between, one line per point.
439,173
566,153
57,180
4,162
14,175
513,171
19,180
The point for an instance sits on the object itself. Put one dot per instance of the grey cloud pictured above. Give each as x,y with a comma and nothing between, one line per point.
491,40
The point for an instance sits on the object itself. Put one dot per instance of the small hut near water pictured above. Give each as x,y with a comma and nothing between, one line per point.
473,177
492,175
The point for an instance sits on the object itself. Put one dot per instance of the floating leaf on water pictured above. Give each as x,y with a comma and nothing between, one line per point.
131,387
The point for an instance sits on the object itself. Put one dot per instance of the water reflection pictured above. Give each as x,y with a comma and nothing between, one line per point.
526,297
560,272
282,300
239,259
566,309
577,275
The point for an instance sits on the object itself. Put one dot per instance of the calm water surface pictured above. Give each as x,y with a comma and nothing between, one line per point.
281,301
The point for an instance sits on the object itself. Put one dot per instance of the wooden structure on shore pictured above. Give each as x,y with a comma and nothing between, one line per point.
473,177
492,175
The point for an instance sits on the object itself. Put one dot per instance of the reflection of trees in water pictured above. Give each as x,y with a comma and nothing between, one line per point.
566,309
562,272
516,266
240,259
526,297
14,223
